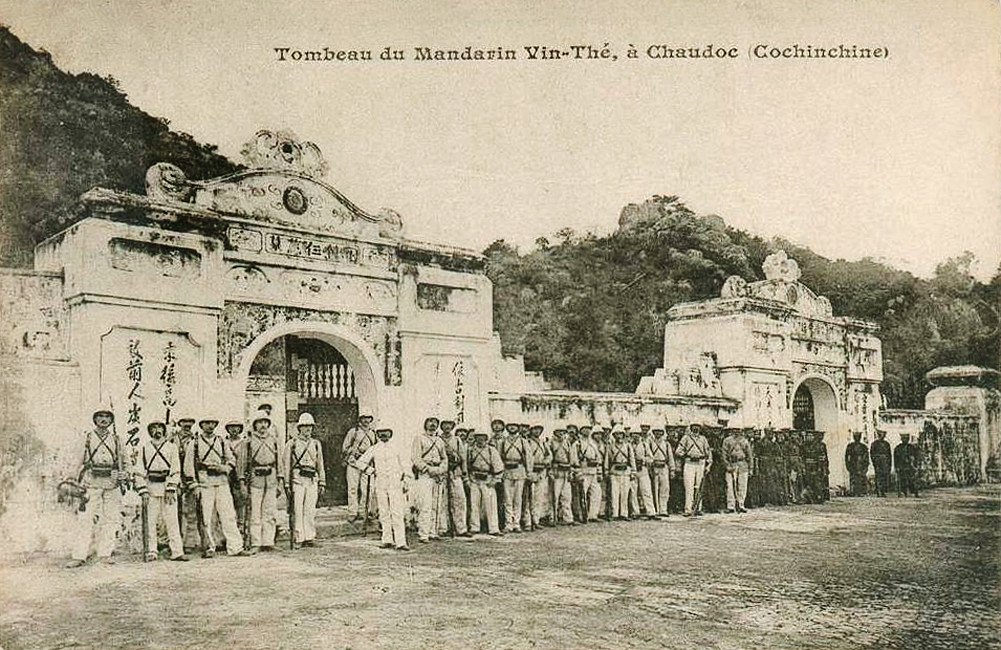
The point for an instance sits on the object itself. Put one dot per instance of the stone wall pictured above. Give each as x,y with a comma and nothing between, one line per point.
950,443
556,408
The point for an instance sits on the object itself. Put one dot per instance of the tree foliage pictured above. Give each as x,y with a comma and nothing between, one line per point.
590,311
62,134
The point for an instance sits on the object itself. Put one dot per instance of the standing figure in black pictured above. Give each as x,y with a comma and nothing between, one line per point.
882,462
816,467
907,460
857,463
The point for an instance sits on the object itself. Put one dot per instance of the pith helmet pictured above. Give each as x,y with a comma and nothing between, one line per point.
305,419
103,410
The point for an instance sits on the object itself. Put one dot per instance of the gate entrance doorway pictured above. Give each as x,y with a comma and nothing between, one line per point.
815,408
308,375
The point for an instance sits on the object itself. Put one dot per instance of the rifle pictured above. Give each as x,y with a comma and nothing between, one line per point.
435,505
203,532
527,499
608,496
368,501
247,500
448,504
555,498
585,502
145,524
654,486
290,507
697,497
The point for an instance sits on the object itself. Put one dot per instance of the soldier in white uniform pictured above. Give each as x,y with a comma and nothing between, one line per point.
390,472
540,507
518,465
260,468
235,438
430,463
453,494
159,477
620,467
485,470
307,479
662,465
207,464
643,488
564,464
589,456
356,442
102,474
694,449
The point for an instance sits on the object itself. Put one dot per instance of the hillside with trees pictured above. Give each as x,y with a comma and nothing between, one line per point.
62,134
590,311
587,310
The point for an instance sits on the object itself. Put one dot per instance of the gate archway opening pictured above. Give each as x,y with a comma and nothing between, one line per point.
306,370
815,408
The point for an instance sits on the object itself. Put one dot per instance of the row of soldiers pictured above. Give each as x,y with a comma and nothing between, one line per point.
192,481
906,458
453,479
458,481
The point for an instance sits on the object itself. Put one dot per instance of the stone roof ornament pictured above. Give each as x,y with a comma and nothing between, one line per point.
779,266
283,150
283,184
781,284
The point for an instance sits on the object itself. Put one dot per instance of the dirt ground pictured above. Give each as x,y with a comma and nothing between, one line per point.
920,573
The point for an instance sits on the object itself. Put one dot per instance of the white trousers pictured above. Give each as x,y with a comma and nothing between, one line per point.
736,487
103,513
591,487
358,483
644,491
305,508
426,500
263,510
661,485
157,508
542,505
620,495
217,499
695,471
457,504
391,507
514,492
483,501
562,494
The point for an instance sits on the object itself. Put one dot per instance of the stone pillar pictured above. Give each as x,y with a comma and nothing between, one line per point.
970,390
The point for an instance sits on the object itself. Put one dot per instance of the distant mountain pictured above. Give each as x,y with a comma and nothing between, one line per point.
62,134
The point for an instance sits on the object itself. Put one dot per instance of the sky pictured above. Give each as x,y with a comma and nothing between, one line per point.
898,159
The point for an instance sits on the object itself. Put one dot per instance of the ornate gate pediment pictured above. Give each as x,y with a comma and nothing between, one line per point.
282,186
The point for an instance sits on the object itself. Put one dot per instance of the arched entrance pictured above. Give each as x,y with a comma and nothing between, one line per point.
815,408
314,369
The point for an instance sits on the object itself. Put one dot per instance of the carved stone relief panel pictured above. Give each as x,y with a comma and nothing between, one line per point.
834,374
33,316
437,297
154,259
242,322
